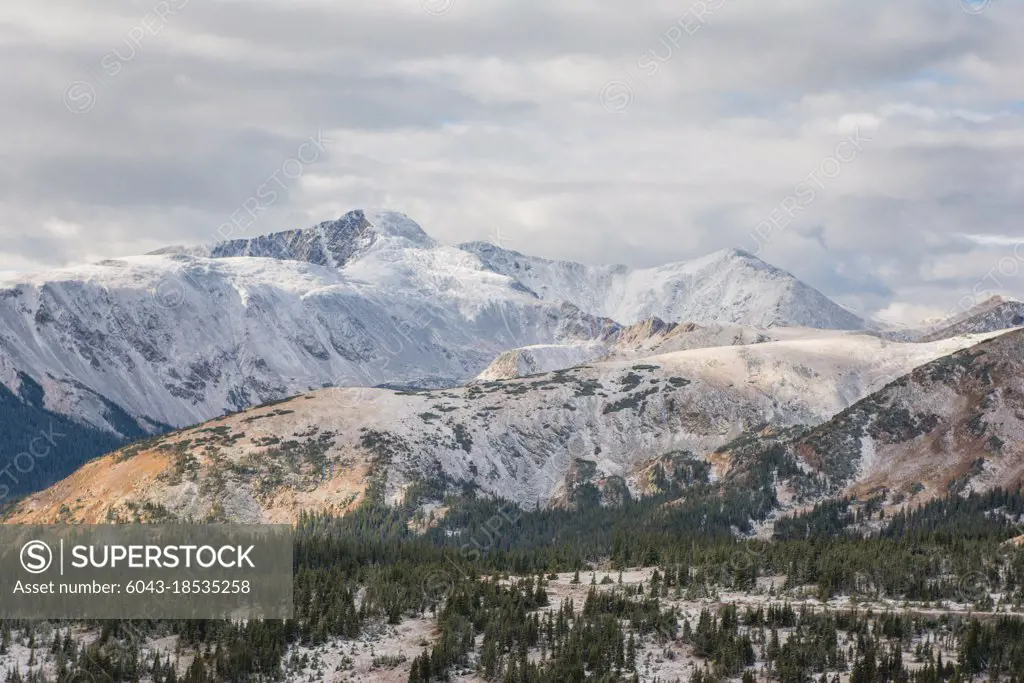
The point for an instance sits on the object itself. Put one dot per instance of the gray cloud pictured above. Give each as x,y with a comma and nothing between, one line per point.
489,115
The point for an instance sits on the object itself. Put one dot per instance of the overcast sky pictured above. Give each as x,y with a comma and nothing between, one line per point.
637,132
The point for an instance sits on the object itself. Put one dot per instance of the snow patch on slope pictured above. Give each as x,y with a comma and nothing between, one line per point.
180,339
726,286
532,360
516,439
186,334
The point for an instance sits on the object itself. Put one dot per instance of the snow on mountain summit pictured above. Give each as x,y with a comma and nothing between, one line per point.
728,286
397,224
331,243
184,334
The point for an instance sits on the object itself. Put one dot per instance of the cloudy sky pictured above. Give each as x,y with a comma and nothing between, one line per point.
876,150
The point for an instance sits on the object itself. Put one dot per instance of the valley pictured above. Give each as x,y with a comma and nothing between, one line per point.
504,468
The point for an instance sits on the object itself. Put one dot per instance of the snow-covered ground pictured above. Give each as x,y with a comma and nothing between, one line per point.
730,286
383,653
517,439
183,335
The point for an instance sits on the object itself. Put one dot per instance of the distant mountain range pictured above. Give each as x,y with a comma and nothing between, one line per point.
531,440
140,345
996,313
183,335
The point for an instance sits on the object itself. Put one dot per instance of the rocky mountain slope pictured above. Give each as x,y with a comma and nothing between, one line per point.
142,344
997,313
730,286
42,446
955,424
178,338
528,440
183,335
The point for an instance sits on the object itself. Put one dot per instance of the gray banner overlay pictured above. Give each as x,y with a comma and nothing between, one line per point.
145,571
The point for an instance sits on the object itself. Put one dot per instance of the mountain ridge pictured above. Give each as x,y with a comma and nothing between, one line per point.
520,439
728,286
181,336
992,314
329,294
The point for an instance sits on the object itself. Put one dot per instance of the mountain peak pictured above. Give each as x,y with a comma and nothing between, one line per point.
723,257
994,301
995,313
735,253
730,285
391,223
331,243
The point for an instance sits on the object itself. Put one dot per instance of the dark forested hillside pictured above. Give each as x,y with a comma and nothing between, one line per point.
39,447
494,612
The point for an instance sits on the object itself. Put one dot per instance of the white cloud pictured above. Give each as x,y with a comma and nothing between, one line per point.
490,115
898,313
996,240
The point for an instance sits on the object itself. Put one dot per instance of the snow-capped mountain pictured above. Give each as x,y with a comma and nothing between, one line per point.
519,439
952,425
331,243
729,286
995,313
177,339
185,334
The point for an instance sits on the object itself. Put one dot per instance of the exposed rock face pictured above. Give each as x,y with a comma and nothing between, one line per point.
955,424
517,439
995,314
729,286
